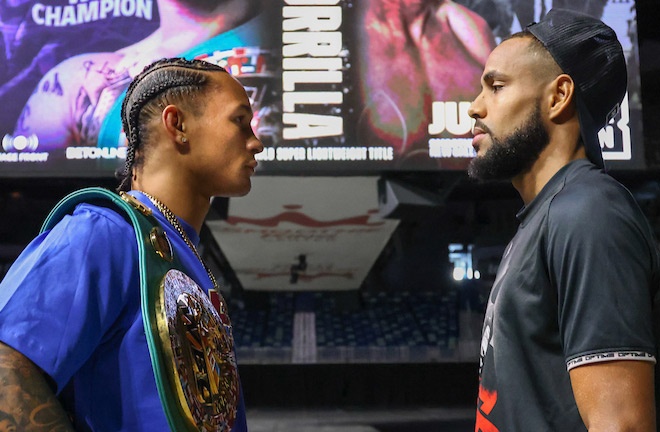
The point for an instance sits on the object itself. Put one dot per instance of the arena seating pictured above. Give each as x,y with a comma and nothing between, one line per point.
382,327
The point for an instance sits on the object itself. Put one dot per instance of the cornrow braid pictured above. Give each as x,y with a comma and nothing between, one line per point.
161,81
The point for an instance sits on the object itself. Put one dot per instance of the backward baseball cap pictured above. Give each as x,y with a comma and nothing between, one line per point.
588,51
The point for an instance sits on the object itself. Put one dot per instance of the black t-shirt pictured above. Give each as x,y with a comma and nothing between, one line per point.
575,286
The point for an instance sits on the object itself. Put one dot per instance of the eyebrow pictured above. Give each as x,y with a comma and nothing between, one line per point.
492,75
243,107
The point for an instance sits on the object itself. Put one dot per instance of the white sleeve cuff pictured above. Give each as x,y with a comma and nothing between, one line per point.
609,356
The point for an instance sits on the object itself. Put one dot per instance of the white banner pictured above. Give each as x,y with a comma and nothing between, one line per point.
304,233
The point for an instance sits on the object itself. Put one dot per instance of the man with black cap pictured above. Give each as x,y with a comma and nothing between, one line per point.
568,338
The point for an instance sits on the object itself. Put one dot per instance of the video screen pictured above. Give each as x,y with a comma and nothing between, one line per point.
337,86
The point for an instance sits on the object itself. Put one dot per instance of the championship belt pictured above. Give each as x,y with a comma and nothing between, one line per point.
190,341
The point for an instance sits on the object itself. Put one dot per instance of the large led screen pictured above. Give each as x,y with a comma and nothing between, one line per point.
352,86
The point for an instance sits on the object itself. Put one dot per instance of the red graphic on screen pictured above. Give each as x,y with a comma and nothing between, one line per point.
291,215
415,52
485,404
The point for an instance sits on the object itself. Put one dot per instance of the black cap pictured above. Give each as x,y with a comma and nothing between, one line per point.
589,52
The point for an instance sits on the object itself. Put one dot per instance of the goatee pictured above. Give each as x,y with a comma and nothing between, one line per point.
512,155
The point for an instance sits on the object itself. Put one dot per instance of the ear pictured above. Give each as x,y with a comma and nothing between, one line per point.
172,118
562,96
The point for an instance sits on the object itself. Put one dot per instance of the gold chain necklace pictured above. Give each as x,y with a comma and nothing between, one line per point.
171,218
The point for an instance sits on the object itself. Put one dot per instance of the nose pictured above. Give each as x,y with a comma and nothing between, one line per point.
254,145
476,109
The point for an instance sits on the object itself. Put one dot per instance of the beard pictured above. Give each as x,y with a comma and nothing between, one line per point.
514,154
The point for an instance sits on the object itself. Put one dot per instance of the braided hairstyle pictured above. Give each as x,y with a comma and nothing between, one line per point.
166,81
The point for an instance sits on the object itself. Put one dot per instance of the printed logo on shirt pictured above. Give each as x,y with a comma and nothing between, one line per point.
609,356
485,340
485,405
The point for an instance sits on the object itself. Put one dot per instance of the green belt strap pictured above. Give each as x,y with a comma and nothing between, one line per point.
152,271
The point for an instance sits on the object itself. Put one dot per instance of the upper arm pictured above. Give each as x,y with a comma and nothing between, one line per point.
68,288
615,395
27,403
601,263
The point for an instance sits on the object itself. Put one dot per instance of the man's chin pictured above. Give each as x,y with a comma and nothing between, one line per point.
482,170
241,190
473,169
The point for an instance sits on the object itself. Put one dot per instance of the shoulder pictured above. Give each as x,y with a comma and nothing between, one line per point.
592,202
97,228
587,192
93,247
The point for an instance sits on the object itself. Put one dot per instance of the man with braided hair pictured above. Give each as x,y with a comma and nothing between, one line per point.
73,352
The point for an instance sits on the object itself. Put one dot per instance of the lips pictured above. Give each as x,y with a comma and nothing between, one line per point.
478,134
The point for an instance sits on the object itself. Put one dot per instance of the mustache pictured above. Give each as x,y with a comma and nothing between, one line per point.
478,124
